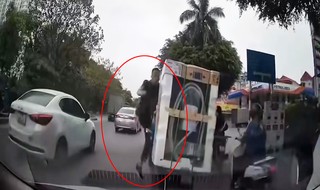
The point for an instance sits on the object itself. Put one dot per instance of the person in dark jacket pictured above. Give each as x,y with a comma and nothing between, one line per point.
145,111
219,132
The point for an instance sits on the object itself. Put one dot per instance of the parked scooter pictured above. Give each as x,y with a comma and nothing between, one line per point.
257,175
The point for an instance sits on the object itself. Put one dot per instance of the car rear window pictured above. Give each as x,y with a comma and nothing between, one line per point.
40,98
126,111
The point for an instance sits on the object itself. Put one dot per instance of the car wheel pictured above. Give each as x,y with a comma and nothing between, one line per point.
92,143
116,129
61,152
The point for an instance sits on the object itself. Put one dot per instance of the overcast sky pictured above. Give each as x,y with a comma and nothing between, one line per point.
140,27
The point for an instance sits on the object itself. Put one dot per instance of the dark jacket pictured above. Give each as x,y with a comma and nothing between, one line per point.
148,103
219,125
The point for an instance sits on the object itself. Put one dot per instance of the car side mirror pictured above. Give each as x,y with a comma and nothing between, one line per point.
86,116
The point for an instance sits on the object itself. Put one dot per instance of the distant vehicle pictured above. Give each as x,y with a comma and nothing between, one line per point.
50,124
114,103
126,119
111,117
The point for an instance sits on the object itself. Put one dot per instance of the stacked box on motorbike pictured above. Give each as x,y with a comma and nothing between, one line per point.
172,138
273,119
267,106
267,122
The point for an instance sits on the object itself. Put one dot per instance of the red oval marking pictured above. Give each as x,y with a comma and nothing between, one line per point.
102,132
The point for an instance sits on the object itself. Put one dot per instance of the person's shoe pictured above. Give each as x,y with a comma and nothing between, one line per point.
139,170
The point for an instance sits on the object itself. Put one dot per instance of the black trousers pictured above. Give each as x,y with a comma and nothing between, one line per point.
147,148
218,140
145,119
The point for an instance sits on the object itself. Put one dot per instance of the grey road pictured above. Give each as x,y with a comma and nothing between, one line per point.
124,150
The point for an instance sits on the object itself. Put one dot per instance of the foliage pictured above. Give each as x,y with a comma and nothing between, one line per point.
127,97
203,27
65,37
202,44
221,57
135,102
285,12
54,43
302,119
16,26
74,18
97,75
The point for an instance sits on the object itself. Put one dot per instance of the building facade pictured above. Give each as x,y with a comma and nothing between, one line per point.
306,80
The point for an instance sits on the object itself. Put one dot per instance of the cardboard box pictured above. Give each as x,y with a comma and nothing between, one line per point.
201,92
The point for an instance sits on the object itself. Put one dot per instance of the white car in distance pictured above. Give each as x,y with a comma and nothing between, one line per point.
50,124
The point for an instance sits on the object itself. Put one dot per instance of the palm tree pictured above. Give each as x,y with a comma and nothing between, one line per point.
203,27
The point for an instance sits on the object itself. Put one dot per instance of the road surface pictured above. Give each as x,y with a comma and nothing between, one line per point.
124,150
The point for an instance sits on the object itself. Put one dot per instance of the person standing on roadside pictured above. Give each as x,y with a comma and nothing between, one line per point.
219,132
148,93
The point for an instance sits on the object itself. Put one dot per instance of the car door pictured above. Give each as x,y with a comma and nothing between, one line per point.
74,123
85,130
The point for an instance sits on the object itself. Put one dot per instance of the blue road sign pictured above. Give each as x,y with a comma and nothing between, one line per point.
261,67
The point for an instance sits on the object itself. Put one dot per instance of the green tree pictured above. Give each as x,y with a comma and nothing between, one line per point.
203,27
202,44
55,42
98,74
135,102
220,57
75,18
284,12
13,34
67,35
127,97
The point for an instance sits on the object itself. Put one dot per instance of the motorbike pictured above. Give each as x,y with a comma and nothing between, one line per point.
257,175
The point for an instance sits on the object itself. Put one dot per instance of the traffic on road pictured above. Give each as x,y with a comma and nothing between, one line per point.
160,94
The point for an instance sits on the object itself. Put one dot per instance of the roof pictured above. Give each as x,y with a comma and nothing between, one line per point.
306,76
53,92
287,80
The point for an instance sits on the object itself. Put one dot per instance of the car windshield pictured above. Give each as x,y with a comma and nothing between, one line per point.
36,97
126,111
161,94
